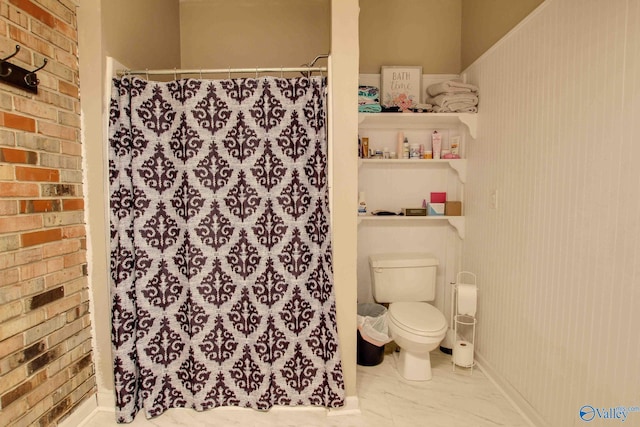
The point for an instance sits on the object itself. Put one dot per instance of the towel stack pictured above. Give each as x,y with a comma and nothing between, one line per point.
453,96
368,99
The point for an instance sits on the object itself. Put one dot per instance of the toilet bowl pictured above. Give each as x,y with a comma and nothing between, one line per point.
417,328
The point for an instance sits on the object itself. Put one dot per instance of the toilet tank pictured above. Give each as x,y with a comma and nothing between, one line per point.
397,277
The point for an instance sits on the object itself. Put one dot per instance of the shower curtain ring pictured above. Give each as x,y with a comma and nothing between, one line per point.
229,73
175,74
281,73
147,73
200,73
256,72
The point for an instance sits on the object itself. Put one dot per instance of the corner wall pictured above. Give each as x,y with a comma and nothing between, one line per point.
557,261
484,22
142,33
248,33
410,32
98,28
46,366
109,28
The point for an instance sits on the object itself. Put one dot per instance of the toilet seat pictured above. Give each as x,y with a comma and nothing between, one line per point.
419,318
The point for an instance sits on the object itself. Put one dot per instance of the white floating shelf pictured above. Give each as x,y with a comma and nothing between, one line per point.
408,120
459,165
456,222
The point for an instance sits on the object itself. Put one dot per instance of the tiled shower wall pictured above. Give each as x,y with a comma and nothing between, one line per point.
558,260
46,366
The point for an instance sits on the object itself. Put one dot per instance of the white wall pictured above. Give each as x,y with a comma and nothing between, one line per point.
92,86
559,260
343,127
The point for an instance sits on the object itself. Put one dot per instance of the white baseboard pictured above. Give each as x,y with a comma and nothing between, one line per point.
83,412
106,400
351,407
523,407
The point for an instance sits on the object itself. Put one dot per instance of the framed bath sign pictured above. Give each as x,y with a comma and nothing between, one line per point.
400,86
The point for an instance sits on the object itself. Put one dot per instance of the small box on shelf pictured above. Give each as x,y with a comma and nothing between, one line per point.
414,211
438,197
453,208
436,209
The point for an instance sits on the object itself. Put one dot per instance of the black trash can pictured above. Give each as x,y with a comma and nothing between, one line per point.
369,354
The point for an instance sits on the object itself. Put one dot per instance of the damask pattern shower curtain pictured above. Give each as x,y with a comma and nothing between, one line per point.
222,283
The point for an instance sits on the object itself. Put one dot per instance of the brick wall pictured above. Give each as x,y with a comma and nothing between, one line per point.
46,366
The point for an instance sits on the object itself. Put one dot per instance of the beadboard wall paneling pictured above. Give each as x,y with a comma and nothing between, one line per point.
558,261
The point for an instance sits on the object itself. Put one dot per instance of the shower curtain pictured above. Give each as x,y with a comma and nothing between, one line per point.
222,283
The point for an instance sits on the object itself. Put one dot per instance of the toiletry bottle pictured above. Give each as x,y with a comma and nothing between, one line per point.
455,147
365,147
405,149
400,144
362,204
436,144
414,151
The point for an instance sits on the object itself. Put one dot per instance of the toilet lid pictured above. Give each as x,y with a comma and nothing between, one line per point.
420,318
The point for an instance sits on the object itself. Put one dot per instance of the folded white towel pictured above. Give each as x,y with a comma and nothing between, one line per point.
468,109
450,86
445,99
460,107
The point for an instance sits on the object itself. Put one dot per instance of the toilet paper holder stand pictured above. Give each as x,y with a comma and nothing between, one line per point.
464,326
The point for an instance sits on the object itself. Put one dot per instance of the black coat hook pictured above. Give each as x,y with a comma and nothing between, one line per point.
3,60
18,76
13,54
31,79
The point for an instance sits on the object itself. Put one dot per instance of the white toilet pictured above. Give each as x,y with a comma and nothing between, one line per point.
407,281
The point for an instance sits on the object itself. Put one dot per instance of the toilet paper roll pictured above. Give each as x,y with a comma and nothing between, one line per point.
467,299
463,354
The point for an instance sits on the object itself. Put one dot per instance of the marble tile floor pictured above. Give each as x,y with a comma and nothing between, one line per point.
450,399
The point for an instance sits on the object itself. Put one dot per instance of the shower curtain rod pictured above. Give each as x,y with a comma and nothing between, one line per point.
256,70
306,68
